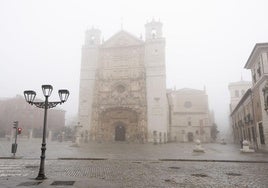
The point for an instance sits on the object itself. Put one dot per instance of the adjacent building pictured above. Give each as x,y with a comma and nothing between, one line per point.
237,91
242,120
250,117
29,117
189,115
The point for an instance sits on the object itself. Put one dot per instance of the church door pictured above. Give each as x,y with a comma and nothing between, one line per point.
120,133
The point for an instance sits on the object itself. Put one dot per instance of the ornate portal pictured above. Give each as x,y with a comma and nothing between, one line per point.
119,102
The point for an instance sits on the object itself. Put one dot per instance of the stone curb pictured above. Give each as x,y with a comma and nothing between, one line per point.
212,160
165,159
10,157
75,158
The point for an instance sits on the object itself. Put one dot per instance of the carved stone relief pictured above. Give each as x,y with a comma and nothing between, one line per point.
120,97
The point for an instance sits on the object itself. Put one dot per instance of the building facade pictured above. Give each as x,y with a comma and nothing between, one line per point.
242,120
123,86
237,91
189,115
29,117
254,125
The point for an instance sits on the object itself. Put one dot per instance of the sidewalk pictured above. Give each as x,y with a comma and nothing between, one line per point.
129,151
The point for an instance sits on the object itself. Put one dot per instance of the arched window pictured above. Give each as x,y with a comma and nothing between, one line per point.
153,33
92,39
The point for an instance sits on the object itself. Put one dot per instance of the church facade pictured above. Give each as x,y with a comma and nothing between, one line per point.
190,118
123,87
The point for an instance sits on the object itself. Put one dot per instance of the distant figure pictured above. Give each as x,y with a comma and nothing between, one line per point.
241,143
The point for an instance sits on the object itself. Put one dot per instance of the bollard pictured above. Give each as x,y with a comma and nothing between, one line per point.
155,137
198,147
245,148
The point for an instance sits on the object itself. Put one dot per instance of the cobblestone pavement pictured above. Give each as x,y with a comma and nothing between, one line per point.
133,165
136,173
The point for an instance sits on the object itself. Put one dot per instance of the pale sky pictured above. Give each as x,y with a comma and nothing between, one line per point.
207,42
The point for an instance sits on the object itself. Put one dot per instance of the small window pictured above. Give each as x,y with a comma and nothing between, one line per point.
254,77
259,70
189,123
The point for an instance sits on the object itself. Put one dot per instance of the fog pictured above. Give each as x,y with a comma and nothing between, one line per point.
207,42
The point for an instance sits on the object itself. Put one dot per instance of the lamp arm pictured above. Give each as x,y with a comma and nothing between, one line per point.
42,104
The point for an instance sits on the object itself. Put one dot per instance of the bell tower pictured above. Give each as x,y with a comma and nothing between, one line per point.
153,30
92,37
156,82
90,51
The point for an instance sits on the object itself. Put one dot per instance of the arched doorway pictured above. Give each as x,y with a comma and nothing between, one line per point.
190,137
120,132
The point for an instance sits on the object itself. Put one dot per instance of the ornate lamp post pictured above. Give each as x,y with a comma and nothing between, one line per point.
29,97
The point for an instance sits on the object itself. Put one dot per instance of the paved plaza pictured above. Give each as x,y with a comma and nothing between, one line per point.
123,164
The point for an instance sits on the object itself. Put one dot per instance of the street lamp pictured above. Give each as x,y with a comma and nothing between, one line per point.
29,97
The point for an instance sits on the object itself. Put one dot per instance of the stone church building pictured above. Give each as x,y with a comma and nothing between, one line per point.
123,86
189,115
123,94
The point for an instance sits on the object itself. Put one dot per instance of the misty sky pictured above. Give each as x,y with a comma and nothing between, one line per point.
207,42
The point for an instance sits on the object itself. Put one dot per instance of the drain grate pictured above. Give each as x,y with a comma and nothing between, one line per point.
60,183
200,175
138,162
233,174
174,167
29,183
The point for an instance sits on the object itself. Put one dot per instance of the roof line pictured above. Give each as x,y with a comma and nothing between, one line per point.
253,52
